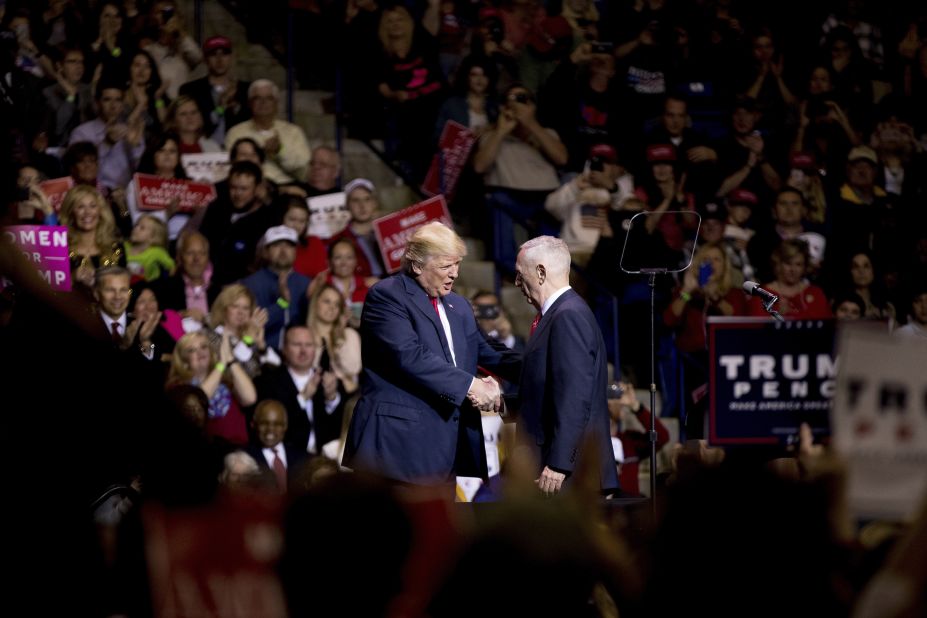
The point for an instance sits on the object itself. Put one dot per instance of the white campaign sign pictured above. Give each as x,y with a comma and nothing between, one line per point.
879,421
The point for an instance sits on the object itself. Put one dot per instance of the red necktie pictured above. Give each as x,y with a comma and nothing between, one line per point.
117,338
279,471
534,324
434,303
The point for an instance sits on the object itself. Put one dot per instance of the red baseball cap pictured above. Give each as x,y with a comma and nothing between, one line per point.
604,152
661,153
217,42
742,197
802,161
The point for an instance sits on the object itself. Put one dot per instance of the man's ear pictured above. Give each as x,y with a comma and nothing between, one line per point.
417,269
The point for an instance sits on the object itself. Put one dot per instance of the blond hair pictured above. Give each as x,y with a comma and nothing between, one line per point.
160,232
432,240
336,336
180,372
226,297
724,280
105,234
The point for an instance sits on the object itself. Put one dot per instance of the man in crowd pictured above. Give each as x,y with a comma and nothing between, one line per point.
190,290
363,206
563,403
234,225
417,420
269,450
277,287
314,405
112,292
120,142
221,98
284,143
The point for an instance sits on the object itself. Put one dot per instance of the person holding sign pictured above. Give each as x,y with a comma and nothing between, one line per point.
563,385
417,420
161,159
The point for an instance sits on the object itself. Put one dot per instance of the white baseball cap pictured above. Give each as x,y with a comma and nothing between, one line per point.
278,233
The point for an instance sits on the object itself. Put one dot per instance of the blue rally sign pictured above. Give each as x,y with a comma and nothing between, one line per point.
768,377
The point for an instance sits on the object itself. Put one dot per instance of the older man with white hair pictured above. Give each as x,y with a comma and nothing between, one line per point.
417,419
284,142
564,403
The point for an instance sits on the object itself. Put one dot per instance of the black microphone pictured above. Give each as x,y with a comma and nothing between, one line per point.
753,289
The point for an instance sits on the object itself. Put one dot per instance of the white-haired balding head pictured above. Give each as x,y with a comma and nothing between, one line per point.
263,84
550,251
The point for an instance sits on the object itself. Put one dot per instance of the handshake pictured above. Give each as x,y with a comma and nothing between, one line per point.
485,394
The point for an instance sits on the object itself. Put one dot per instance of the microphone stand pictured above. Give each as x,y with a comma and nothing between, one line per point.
768,307
652,434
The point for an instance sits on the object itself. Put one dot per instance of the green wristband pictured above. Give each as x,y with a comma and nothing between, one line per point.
685,296
219,110
221,367
248,339
283,304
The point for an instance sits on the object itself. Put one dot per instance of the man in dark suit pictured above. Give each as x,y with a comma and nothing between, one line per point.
417,419
313,403
191,290
268,448
564,377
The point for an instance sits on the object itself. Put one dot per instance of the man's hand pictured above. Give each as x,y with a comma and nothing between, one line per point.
284,289
330,385
550,481
312,385
485,394
272,145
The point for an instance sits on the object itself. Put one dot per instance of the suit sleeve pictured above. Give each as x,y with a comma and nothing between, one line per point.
388,322
571,386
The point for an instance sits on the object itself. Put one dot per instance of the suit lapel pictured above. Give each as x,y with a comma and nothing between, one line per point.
422,303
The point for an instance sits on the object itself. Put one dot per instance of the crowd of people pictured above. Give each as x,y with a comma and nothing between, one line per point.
237,332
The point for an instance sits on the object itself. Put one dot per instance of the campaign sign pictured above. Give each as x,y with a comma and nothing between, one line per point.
46,246
55,190
328,214
453,151
879,421
207,166
393,230
766,378
215,560
154,193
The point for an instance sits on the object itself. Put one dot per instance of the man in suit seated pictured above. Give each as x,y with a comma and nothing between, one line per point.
417,420
564,403
112,292
268,448
191,290
313,403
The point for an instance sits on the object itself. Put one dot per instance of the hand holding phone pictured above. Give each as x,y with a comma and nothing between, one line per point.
704,273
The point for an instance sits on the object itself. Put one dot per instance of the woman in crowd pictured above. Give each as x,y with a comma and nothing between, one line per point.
342,275
185,120
311,258
145,89
234,316
113,46
338,345
707,290
411,85
162,159
221,377
862,280
474,103
798,298
93,241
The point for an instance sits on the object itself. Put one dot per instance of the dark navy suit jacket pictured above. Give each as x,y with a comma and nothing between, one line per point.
413,422
563,389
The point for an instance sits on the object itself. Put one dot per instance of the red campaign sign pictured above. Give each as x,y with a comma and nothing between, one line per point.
153,193
393,230
46,246
55,190
453,151
216,560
